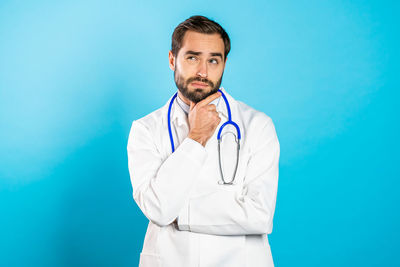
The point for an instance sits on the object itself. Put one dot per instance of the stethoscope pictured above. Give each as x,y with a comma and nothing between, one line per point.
229,121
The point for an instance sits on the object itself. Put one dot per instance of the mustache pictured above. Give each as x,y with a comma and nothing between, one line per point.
198,79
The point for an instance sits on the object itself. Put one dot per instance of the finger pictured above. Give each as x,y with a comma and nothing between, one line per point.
209,99
214,115
211,107
217,121
192,104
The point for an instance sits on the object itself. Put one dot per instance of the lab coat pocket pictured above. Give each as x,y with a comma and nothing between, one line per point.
149,260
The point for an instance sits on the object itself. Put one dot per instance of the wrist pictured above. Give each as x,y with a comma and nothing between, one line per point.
197,138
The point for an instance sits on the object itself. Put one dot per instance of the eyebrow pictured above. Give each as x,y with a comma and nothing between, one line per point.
215,54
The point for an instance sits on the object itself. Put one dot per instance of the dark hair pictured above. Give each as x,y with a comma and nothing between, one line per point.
198,24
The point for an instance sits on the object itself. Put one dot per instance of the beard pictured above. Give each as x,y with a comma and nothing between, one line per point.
199,93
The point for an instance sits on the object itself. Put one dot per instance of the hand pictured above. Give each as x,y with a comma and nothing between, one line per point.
203,119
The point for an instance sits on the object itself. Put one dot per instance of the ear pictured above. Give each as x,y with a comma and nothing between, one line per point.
172,62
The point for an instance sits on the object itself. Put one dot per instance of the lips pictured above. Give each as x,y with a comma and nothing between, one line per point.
199,84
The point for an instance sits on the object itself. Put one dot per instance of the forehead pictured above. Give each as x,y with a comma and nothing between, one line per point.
201,42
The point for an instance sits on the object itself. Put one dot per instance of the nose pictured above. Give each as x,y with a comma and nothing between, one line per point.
202,69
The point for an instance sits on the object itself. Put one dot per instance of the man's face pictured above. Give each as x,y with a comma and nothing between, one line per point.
199,65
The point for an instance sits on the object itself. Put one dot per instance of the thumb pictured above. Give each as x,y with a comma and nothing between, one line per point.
191,105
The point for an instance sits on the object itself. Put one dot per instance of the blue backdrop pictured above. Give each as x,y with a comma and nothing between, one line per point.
75,74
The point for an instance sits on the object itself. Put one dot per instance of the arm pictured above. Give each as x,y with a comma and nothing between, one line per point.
226,212
160,188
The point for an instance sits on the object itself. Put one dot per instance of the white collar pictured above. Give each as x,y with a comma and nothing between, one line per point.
183,105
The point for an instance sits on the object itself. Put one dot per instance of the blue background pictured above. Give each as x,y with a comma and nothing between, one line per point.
75,74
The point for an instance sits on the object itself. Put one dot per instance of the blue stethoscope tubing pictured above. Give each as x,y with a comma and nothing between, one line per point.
229,121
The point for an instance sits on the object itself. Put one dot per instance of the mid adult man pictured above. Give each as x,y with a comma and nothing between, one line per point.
209,194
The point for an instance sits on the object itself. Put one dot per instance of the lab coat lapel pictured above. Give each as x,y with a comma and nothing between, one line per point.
179,127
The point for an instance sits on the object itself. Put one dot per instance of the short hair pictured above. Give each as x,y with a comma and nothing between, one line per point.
198,24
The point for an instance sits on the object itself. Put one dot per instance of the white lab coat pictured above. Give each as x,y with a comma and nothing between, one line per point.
193,220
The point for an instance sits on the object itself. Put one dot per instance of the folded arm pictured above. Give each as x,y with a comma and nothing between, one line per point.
227,212
161,187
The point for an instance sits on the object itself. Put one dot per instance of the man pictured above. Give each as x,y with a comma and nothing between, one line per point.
197,217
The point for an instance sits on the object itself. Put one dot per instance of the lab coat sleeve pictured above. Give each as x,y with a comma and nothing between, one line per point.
161,187
250,210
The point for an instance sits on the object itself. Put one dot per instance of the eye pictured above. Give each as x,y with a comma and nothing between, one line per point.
214,61
191,58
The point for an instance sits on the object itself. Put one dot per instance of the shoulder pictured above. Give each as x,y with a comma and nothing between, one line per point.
259,129
148,125
152,119
254,123
248,115
253,117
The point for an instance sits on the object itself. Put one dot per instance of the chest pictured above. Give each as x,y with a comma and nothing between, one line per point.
226,161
